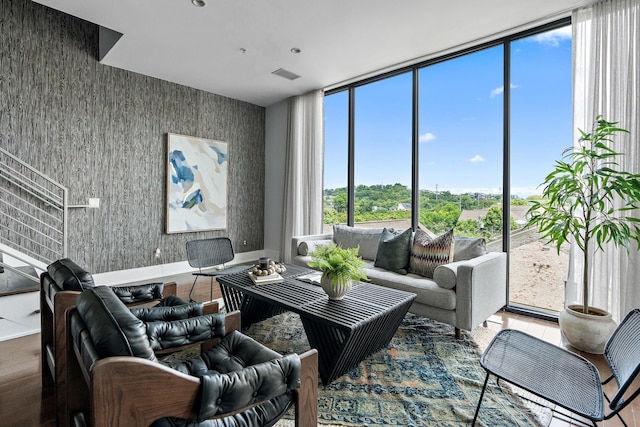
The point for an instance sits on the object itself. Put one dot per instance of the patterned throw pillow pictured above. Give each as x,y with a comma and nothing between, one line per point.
428,253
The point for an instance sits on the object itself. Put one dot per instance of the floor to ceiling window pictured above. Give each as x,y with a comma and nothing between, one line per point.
541,128
460,144
476,131
336,153
382,152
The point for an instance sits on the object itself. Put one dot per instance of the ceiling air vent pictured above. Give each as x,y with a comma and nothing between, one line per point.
285,74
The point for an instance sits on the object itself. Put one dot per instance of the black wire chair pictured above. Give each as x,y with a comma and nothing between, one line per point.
565,378
209,254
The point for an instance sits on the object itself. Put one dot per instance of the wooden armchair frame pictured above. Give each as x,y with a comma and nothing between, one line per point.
114,386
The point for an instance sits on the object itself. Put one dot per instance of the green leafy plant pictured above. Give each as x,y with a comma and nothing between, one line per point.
338,263
578,198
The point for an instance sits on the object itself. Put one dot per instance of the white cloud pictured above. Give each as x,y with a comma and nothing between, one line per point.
554,37
426,137
476,159
499,90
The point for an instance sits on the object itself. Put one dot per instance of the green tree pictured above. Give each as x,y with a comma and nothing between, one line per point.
493,220
340,202
468,228
442,218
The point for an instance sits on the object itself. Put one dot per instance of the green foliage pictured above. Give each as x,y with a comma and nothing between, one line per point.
441,217
338,263
579,197
438,212
519,202
468,228
493,222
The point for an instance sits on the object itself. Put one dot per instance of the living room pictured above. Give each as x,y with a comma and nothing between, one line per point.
101,129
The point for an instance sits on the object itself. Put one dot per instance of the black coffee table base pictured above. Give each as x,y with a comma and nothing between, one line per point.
344,332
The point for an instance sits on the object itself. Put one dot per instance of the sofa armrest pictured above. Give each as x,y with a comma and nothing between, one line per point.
481,289
296,240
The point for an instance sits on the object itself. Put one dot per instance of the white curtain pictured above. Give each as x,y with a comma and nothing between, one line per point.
302,210
606,43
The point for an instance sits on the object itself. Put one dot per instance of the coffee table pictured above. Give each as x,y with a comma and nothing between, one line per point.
344,332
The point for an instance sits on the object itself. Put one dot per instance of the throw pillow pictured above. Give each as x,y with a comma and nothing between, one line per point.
469,248
428,253
366,239
393,251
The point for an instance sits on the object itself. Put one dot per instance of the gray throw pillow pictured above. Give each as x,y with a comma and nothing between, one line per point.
468,248
354,237
393,251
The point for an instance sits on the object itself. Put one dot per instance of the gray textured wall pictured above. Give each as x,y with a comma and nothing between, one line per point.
101,132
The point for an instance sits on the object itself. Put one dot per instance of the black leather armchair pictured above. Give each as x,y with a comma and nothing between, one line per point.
62,283
114,377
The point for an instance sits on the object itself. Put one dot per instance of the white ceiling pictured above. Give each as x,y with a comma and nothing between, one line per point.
340,40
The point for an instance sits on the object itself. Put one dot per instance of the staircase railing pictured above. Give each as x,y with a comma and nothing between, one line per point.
33,211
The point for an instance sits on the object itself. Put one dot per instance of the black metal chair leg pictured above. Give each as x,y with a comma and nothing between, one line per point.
191,291
484,387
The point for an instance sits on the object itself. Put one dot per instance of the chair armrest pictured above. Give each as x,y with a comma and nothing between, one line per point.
296,240
481,289
130,391
306,408
210,307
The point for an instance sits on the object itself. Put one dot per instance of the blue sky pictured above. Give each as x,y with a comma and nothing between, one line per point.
460,121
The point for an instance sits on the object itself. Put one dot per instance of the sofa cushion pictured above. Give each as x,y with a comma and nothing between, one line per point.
393,250
426,290
468,248
307,246
70,276
366,239
428,253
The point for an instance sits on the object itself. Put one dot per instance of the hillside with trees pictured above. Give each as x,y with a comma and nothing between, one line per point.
438,211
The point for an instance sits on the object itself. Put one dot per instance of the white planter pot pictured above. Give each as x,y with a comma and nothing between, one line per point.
586,332
336,292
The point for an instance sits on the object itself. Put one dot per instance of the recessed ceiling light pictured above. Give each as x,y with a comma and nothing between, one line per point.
199,3
295,50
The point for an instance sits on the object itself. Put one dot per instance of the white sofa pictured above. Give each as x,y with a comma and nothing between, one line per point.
463,293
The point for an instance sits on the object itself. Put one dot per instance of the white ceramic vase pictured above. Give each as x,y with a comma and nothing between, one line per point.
586,332
335,291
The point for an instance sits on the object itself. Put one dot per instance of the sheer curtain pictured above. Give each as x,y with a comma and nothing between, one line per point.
302,210
606,43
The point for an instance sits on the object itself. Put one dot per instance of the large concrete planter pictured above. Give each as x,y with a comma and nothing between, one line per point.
586,332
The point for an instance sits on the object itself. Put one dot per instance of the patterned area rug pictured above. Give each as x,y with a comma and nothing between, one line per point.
424,377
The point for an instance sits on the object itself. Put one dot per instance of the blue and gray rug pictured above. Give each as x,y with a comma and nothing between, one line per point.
424,377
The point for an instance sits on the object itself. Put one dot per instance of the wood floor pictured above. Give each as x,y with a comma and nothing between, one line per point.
23,402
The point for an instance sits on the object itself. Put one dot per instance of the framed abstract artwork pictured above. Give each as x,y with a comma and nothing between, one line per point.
196,184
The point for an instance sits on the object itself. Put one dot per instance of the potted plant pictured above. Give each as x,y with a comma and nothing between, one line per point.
578,203
340,267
